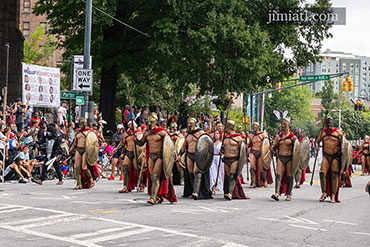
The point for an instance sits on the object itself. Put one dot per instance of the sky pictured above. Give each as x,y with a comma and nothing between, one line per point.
354,37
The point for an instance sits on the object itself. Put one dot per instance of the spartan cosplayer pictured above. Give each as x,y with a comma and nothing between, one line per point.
365,158
130,159
304,158
260,157
286,148
334,159
87,152
178,169
160,158
199,154
234,151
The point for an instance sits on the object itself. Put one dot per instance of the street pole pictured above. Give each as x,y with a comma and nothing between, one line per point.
87,48
7,47
262,109
251,111
340,101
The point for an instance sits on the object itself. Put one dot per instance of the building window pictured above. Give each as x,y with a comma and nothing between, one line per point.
27,6
323,65
351,65
324,70
357,71
329,70
45,26
357,65
336,71
26,28
337,65
365,63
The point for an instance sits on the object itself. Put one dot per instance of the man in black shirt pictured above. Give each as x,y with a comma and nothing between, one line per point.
18,111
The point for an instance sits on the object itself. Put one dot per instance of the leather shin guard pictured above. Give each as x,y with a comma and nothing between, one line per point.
343,178
78,177
335,181
323,182
197,181
290,186
125,174
226,184
88,174
155,185
277,184
263,176
253,177
181,174
298,176
232,182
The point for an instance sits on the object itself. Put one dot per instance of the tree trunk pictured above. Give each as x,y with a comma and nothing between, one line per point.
109,77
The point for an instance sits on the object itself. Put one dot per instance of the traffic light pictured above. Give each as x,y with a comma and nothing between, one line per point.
350,83
245,120
345,86
228,95
278,86
358,105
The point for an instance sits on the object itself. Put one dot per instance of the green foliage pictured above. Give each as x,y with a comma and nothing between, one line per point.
38,50
216,45
329,99
296,100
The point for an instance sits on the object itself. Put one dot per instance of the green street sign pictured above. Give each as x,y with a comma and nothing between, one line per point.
314,77
80,100
69,94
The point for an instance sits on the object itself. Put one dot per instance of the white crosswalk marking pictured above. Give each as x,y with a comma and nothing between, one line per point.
36,227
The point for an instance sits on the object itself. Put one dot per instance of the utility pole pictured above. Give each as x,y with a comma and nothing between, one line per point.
5,90
251,112
87,48
340,91
262,109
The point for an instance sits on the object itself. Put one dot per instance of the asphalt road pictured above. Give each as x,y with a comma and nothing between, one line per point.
51,215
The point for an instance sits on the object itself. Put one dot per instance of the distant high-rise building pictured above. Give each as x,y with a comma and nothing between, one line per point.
334,62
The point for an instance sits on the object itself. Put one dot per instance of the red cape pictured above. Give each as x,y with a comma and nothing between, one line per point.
85,180
291,135
303,177
331,131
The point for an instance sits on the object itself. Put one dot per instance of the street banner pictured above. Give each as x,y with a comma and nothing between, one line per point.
41,85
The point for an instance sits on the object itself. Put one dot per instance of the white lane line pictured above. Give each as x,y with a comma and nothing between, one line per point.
119,235
83,202
67,197
7,207
361,233
50,236
52,222
102,231
310,228
269,219
36,219
342,222
47,198
187,212
12,210
308,221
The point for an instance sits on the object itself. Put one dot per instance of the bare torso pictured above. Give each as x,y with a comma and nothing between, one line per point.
256,141
332,142
191,140
285,145
81,138
231,146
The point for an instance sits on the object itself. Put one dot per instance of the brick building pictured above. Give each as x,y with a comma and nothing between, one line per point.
9,33
29,22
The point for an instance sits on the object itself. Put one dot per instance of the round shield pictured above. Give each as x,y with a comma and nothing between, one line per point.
178,145
204,152
242,159
92,148
65,149
266,154
168,155
295,161
139,149
304,153
344,157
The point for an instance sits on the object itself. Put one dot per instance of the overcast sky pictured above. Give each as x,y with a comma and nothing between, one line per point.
354,37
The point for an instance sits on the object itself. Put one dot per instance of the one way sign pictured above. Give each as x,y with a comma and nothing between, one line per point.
84,80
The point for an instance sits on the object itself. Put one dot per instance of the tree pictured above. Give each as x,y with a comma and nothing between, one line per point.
296,100
38,50
216,45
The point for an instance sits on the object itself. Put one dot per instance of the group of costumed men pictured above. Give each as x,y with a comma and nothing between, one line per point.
201,159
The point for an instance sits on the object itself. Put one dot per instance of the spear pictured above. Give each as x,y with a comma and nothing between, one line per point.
245,131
